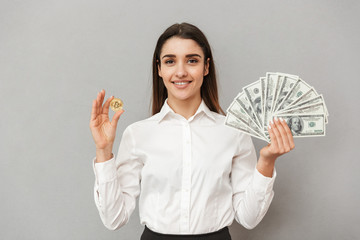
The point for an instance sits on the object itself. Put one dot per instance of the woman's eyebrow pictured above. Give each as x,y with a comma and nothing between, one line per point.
188,55
193,55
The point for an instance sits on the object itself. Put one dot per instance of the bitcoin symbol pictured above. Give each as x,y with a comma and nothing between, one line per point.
116,104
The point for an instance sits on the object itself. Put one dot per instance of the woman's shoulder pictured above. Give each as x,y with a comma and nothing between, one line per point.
218,116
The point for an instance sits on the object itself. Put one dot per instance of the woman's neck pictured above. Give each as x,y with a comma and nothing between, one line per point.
186,108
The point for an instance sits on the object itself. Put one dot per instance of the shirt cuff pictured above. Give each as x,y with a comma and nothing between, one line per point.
262,183
105,171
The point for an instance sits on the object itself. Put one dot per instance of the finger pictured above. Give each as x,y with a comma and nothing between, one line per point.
288,133
98,104
102,94
93,111
105,108
273,139
278,136
116,117
283,135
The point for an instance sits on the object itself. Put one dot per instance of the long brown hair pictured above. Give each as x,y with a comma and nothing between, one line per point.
208,90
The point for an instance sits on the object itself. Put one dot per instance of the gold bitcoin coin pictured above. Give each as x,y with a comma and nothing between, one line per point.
116,104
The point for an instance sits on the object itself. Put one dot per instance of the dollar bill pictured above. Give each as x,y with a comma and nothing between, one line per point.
305,97
237,110
314,100
280,82
263,97
317,108
300,88
277,92
271,84
305,125
310,98
287,74
287,84
253,93
245,104
234,122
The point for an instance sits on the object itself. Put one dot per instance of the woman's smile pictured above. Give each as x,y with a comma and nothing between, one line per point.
181,84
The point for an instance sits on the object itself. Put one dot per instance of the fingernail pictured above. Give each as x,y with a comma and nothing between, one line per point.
276,119
269,127
281,119
271,121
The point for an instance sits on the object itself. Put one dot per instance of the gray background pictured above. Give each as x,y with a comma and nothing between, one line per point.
56,55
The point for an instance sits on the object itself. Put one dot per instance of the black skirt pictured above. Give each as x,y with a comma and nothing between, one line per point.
222,234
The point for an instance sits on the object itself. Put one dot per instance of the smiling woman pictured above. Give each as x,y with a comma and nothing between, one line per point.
194,175
182,70
202,56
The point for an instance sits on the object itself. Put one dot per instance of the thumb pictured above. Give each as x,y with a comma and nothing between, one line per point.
116,117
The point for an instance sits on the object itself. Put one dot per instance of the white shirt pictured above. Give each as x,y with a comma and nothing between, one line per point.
193,175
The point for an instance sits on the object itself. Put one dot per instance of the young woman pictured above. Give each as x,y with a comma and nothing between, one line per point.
194,175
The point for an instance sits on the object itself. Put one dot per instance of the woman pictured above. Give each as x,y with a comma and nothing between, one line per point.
195,174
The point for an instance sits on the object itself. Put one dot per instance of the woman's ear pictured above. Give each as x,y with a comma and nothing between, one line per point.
206,69
158,66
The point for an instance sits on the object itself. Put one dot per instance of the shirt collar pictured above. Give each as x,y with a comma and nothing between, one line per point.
167,110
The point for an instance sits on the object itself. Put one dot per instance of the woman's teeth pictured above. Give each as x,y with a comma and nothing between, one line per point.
181,83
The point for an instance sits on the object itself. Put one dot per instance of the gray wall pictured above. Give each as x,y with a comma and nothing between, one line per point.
56,55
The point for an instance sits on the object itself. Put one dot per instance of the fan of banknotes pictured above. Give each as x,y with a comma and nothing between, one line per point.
278,95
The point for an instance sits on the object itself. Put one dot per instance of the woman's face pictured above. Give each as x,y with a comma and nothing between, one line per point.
182,69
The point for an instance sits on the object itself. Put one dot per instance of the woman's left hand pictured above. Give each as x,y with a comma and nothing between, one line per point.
281,142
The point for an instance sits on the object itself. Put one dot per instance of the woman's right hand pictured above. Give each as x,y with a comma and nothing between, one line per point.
103,131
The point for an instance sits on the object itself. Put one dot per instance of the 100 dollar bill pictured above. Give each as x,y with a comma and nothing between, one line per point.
305,125
232,121
237,110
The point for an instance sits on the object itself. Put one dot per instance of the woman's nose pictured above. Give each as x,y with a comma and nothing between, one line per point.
181,71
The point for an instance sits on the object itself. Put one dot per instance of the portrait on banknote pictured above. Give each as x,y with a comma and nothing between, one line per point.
296,125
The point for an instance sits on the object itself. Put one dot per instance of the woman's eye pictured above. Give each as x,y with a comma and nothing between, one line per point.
169,61
193,60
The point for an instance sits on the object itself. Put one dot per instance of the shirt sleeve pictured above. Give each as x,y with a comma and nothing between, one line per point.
117,184
252,192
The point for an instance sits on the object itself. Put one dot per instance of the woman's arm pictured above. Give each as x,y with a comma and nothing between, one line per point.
253,180
116,180
117,184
